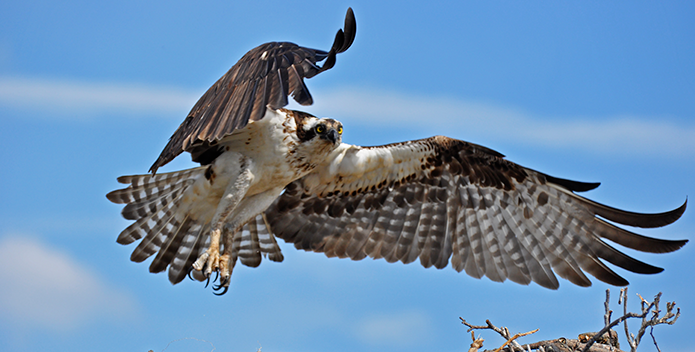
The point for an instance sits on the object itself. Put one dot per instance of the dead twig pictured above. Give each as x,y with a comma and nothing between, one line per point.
503,331
513,338
650,314
476,344
669,318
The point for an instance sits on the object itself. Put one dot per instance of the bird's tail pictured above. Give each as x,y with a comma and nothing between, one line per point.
175,224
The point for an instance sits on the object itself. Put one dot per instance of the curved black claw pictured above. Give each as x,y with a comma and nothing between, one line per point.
223,285
207,282
190,276
224,288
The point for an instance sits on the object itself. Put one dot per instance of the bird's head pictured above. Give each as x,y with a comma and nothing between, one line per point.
326,129
318,131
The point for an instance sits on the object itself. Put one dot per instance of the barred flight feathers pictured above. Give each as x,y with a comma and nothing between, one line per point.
265,76
440,199
168,226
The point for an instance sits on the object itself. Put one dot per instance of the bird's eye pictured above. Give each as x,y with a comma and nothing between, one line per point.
320,129
340,130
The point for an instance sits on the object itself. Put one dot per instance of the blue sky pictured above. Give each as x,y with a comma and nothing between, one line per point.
89,91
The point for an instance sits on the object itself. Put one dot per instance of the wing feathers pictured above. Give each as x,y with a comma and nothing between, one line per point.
438,199
266,75
635,241
636,219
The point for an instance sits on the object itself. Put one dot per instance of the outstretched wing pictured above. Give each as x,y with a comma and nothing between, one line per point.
438,199
266,75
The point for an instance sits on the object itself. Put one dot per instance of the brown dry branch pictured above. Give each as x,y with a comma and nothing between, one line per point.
476,344
669,318
503,331
607,338
513,338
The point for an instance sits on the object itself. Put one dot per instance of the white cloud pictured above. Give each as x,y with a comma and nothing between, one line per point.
399,329
43,287
617,135
622,135
79,98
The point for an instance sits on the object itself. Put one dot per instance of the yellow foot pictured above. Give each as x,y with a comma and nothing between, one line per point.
224,270
210,260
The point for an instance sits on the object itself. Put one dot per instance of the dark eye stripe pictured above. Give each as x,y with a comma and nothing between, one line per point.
305,135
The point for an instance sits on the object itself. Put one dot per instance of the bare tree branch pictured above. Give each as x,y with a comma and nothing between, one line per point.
476,344
608,339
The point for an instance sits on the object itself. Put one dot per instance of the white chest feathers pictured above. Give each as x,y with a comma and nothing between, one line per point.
271,150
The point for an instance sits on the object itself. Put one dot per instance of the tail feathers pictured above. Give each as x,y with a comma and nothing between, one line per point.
192,245
249,245
150,223
180,250
269,247
147,187
152,201
172,243
142,208
161,220
256,242
167,228
154,237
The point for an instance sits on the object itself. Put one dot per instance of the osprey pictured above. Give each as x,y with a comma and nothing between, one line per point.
269,172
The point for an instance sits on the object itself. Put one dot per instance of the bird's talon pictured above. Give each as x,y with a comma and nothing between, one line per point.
223,286
199,264
224,290
208,261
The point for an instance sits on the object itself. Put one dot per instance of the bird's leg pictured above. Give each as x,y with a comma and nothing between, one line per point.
235,192
229,256
246,212
225,271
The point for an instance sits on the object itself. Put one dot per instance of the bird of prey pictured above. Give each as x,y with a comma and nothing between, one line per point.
269,172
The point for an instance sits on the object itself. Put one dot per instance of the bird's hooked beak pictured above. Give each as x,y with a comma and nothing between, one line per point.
332,135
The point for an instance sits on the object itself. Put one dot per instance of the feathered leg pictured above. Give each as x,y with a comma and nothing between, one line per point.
247,210
235,192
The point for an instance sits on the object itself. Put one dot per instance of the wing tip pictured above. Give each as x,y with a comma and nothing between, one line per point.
349,29
343,40
574,186
643,220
